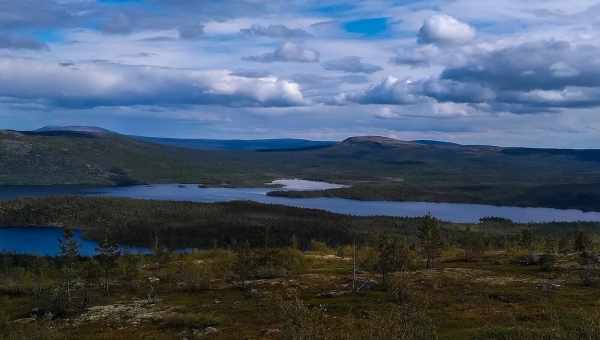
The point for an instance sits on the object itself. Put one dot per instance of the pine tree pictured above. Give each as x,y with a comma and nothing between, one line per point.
69,254
108,252
430,240
564,245
583,242
392,256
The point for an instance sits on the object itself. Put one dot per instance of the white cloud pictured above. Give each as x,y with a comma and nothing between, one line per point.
107,84
288,52
351,65
443,29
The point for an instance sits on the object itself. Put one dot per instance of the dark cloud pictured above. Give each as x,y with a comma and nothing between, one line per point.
351,65
546,65
541,76
17,42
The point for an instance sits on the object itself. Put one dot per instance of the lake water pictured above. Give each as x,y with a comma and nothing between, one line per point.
454,212
44,242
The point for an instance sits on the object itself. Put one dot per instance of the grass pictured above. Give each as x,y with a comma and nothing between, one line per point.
490,296
460,300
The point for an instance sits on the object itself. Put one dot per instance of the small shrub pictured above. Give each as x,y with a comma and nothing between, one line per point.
547,262
305,323
320,247
400,292
190,320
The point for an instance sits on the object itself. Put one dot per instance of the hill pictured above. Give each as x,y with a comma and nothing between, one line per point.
375,167
51,157
73,128
238,144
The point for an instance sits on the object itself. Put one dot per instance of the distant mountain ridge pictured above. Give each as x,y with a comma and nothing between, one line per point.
197,144
75,128
238,144
375,167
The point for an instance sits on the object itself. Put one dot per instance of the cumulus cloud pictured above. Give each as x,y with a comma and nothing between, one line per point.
531,77
288,52
443,29
275,31
543,65
416,57
103,84
391,91
351,65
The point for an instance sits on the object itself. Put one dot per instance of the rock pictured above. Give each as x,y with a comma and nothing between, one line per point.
332,294
133,313
39,313
25,320
204,332
272,332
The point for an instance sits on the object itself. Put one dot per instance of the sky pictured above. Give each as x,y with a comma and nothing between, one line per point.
504,72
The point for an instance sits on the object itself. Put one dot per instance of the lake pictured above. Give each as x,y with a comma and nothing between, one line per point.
44,242
453,212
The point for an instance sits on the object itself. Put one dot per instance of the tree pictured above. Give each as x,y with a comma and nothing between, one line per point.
564,245
69,254
548,259
583,242
474,246
430,241
245,264
526,239
392,255
589,263
108,252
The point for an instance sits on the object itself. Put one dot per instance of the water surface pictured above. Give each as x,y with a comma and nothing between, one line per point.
45,242
453,212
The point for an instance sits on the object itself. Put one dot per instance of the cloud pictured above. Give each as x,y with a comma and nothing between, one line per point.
191,32
25,43
416,56
443,29
532,77
535,75
275,31
118,23
546,65
288,52
390,91
351,65
89,85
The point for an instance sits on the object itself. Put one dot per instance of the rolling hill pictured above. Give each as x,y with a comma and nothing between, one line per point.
376,167
202,144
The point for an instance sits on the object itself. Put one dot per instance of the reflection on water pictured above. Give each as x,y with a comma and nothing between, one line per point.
454,212
304,185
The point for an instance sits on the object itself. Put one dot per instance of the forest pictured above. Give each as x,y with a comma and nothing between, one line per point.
253,271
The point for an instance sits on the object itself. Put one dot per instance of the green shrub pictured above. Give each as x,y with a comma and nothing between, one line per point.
302,322
320,247
190,320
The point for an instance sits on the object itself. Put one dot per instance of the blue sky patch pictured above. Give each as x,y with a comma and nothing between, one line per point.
367,27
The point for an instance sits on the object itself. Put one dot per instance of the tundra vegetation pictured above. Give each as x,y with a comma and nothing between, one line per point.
253,271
